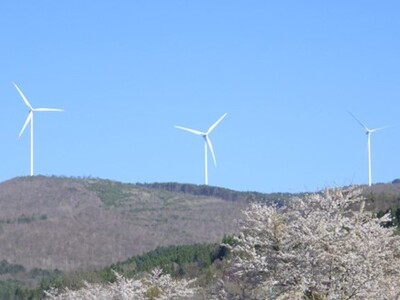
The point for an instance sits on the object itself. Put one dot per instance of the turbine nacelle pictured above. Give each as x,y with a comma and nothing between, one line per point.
207,142
31,109
368,133
367,130
29,119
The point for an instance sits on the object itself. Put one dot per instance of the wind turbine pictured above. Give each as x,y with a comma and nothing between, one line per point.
207,144
368,132
29,119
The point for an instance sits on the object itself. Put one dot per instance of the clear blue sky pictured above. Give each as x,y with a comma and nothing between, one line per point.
126,72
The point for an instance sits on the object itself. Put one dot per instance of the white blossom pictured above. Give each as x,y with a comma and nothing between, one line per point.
319,247
155,286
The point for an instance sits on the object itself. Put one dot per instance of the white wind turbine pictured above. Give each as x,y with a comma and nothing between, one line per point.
207,144
368,132
29,119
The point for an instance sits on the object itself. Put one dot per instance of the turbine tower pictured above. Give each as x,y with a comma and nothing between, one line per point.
368,132
29,119
207,144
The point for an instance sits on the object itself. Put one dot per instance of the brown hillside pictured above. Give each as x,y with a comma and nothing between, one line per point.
72,224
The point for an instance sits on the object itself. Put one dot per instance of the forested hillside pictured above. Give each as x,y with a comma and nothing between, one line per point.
51,226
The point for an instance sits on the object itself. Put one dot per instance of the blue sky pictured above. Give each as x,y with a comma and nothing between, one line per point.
126,72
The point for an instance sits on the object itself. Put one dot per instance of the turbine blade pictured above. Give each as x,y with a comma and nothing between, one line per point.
47,109
190,130
211,149
23,96
216,123
380,128
359,122
28,119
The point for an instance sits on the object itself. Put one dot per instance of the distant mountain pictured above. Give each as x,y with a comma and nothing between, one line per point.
383,196
72,224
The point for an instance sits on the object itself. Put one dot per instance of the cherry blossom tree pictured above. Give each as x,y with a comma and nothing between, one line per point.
155,286
323,246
